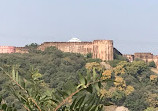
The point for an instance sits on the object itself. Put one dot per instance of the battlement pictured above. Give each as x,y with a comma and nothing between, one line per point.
103,41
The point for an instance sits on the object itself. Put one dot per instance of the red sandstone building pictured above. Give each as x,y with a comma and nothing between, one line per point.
7,49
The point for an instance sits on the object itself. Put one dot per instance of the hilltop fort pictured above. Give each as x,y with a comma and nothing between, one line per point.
101,49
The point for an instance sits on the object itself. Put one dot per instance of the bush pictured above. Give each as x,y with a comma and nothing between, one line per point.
119,57
152,64
93,60
114,63
118,97
89,55
136,102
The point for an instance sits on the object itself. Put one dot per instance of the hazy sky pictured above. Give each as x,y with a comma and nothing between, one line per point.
132,24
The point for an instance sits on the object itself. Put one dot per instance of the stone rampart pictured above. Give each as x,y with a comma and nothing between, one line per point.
102,49
21,50
147,57
74,47
7,49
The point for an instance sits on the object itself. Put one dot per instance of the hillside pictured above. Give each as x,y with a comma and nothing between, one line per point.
132,85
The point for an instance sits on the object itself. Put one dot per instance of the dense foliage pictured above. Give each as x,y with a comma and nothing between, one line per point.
137,77
35,95
43,80
53,64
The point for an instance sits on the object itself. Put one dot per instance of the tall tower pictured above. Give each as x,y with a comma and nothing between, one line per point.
103,49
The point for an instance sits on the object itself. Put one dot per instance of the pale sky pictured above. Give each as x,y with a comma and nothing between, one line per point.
132,24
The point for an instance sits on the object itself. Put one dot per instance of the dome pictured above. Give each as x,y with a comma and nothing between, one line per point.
74,40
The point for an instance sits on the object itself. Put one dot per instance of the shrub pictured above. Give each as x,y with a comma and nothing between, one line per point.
152,64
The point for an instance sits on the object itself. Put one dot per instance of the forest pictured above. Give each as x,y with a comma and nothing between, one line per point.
53,80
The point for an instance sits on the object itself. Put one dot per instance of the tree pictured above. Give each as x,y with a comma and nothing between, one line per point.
118,97
89,55
119,57
32,45
136,101
152,64
34,94
114,63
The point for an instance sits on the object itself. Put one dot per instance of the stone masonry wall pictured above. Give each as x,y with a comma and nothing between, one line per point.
102,49
75,47
7,49
147,57
129,57
21,50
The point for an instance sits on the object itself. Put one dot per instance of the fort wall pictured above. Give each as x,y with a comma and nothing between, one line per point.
130,57
74,47
7,49
102,49
21,50
147,57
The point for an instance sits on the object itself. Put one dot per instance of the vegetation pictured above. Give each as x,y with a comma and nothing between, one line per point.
53,80
117,59
32,47
5,107
152,64
34,94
